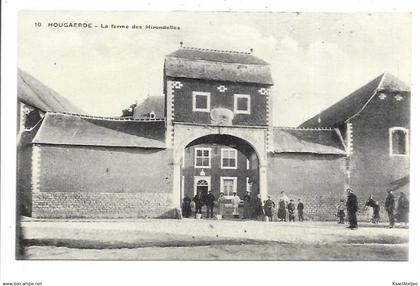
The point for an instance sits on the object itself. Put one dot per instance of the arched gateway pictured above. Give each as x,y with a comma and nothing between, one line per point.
222,158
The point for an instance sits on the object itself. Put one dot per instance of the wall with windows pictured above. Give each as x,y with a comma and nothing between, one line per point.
194,99
380,155
223,167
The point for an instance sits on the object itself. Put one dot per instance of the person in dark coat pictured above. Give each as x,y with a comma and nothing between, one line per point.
291,210
300,207
269,206
209,201
390,207
257,208
186,207
352,208
281,214
198,201
402,208
247,206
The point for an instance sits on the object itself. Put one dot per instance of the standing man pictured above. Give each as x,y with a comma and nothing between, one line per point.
186,207
247,206
300,207
390,207
198,202
402,209
235,203
352,208
209,199
269,206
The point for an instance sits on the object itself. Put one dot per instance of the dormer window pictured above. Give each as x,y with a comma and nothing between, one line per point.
201,101
152,115
398,141
242,104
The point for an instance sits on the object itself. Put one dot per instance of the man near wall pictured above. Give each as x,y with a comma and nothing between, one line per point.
209,201
390,207
352,208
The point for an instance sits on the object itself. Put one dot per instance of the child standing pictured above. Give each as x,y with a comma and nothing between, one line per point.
340,211
291,210
300,210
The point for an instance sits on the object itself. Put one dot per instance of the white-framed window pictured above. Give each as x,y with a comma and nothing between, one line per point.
201,101
398,141
248,185
242,104
247,164
202,158
228,185
229,158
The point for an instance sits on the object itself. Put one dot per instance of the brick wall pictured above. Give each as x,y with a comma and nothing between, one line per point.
318,180
99,182
101,205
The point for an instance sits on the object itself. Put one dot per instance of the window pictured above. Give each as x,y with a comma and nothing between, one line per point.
242,104
201,101
398,141
229,158
202,157
228,185
248,185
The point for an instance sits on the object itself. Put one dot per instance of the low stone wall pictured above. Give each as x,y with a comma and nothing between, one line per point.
101,205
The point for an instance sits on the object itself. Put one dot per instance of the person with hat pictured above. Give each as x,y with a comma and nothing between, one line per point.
352,208
198,202
256,206
186,206
209,201
235,203
247,205
390,207
221,204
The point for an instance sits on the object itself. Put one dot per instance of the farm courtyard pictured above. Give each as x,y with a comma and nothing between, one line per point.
209,239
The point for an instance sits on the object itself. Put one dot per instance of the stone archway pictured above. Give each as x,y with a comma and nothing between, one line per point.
185,134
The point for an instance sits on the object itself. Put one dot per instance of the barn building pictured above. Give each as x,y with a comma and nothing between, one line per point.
375,123
212,130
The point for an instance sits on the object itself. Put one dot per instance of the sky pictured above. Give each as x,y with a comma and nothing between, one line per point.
316,58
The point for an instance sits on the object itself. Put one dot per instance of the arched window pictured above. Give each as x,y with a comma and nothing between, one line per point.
398,141
202,183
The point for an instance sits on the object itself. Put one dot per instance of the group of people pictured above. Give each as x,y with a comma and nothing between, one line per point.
286,208
397,210
254,208
252,205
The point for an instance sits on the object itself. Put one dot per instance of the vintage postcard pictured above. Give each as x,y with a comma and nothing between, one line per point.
216,136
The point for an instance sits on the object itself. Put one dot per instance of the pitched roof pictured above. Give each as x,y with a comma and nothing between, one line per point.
217,65
152,103
33,92
315,141
356,101
66,129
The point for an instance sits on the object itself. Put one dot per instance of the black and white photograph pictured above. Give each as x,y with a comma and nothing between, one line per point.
213,136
